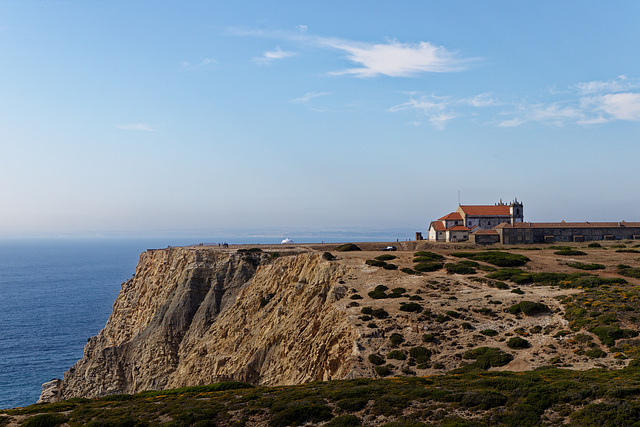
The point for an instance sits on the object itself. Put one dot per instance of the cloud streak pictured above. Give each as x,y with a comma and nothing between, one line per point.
395,59
273,55
391,59
584,104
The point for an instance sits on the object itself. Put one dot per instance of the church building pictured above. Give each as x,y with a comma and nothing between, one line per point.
468,219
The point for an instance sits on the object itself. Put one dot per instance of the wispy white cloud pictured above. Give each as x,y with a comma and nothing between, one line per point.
136,126
619,84
395,59
439,110
586,103
308,97
552,114
273,55
392,58
204,63
304,99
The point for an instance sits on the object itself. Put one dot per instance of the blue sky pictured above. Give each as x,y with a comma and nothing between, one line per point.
148,116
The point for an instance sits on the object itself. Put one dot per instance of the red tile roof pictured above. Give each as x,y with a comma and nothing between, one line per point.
451,217
488,210
458,228
570,225
437,225
487,232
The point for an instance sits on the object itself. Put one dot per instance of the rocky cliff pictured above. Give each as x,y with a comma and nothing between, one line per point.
194,316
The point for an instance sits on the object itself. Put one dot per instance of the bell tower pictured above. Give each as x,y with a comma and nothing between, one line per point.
516,211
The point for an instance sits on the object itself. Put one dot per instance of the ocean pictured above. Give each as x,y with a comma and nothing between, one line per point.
56,293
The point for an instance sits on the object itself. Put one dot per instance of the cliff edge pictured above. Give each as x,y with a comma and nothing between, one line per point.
194,316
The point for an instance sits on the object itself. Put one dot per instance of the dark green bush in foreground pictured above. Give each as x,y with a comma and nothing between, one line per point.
425,267
499,258
347,247
518,343
459,268
582,266
569,252
529,308
485,358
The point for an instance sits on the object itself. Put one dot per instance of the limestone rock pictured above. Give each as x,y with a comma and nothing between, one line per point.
194,316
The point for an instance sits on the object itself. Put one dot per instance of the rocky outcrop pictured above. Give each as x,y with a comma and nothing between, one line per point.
192,316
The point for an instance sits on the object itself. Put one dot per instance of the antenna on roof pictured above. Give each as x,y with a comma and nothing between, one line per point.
458,197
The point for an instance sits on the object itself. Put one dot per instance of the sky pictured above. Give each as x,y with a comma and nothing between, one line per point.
154,116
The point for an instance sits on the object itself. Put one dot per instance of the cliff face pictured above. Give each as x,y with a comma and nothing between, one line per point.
196,316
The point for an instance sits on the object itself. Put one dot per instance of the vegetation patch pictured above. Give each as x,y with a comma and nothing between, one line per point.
485,358
425,267
459,268
328,256
412,307
529,308
498,258
573,252
425,256
347,247
518,343
385,257
583,266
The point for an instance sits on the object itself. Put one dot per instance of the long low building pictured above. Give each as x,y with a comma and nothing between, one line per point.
549,232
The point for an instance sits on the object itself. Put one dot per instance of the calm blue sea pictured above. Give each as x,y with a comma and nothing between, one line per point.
54,294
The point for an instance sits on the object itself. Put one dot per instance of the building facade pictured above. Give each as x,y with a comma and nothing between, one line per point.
549,232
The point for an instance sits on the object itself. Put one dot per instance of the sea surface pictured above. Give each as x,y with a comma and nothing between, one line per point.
56,293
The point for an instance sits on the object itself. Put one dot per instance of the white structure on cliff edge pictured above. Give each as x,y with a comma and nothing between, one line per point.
286,241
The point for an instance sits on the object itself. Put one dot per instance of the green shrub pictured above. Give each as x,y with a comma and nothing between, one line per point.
459,268
483,399
582,266
501,285
489,332
487,357
301,413
529,308
517,291
347,247
385,257
629,272
376,359
453,314
441,318
355,296
594,245
427,256
595,353
411,307
328,256
518,343
366,310
420,354
396,339
498,258
569,252
408,270
378,295
375,263
345,421
425,267
383,371
629,251
397,355
380,313
45,420
429,338
390,267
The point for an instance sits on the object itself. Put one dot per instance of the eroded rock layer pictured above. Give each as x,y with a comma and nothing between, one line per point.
195,316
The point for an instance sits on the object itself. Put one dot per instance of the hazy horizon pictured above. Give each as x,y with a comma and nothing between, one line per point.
157,117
